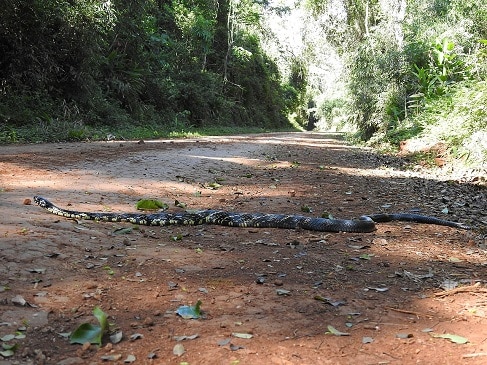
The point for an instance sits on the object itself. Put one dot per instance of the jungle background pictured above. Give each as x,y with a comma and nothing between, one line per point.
384,70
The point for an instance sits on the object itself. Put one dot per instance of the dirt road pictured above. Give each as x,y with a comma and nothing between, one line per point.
269,296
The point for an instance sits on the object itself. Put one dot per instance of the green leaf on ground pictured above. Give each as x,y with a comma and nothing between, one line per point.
179,204
8,350
7,338
190,312
213,186
109,270
306,208
452,338
87,332
125,230
101,317
151,204
336,332
91,333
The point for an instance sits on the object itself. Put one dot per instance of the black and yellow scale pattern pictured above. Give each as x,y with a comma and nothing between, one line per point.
254,220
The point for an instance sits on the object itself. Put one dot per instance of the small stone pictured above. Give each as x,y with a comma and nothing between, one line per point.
85,346
91,285
25,352
278,282
404,335
40,357
71,361
148,321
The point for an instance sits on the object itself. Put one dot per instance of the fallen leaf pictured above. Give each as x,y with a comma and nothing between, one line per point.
283,292
178,349
19,300
125,230
449,284
36,271
452,338
454,259
235,347
114,357
380,290
475,354
87,332
7,353
150,204
129,359
116,337
224,342
336,332
52,255
242,335
190,312
327,300
183,337
7,338
213,186
179,204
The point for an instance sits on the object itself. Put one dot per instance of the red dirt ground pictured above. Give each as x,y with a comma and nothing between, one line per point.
390,290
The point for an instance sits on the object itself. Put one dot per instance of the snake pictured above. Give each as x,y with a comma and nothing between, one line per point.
364,224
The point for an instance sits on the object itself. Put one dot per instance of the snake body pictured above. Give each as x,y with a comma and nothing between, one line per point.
364,224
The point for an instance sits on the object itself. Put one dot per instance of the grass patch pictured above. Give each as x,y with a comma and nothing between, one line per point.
59,131
458,120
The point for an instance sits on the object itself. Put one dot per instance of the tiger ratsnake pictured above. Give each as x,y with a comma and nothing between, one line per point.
364,224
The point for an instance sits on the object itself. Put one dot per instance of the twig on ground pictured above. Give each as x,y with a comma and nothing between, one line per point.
408,312
475,354
463,289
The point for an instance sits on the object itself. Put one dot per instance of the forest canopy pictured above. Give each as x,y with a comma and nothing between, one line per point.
177,63
387,70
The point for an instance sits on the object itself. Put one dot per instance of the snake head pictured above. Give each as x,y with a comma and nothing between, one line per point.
40,201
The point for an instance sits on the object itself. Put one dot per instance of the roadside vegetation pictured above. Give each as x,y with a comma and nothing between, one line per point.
386,71
413,70
82,70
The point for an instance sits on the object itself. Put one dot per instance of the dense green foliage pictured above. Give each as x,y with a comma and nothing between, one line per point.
395,69
414,69
70,68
